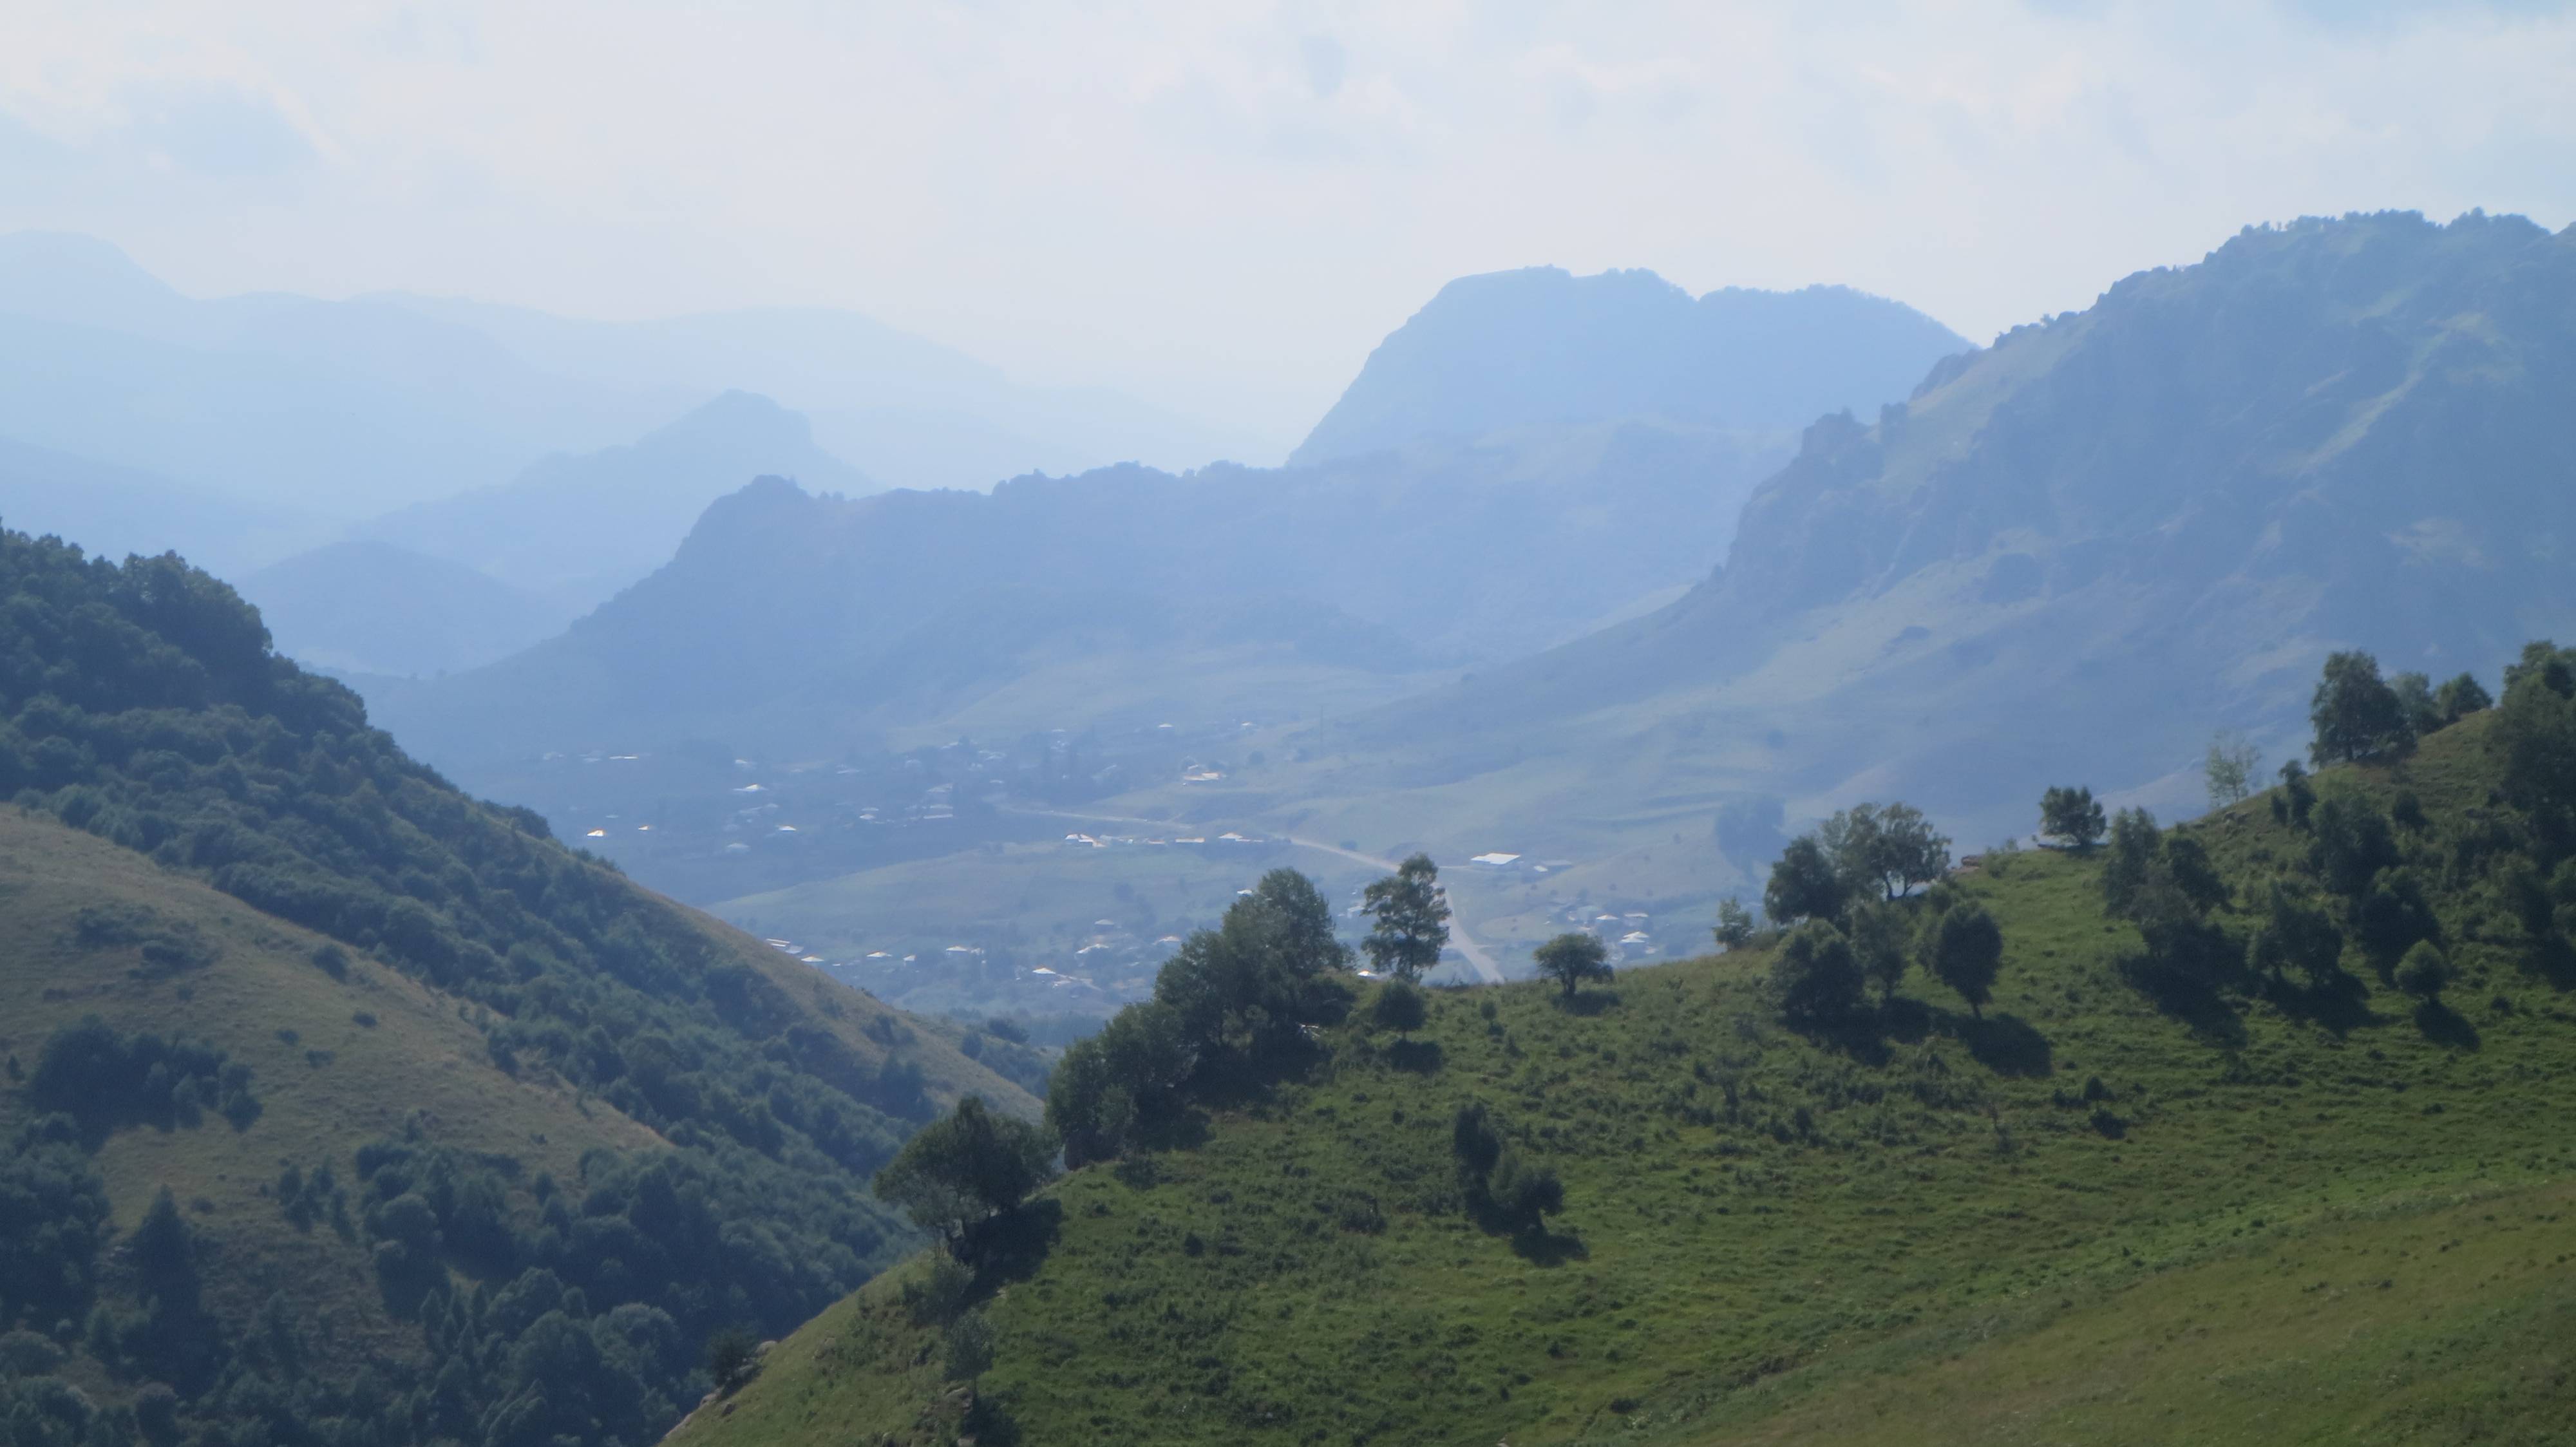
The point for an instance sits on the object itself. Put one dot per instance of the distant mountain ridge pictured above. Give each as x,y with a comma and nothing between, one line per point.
370,607
348,408
576,528
1537,348
785,612
2073,556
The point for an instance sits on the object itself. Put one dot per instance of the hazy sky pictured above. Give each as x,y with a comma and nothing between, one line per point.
1221,206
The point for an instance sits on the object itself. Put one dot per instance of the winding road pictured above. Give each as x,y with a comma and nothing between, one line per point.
1461,937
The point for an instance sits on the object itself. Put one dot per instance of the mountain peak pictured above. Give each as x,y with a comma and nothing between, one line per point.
1540,347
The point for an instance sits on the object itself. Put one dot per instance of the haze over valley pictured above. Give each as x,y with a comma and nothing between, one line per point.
1676,725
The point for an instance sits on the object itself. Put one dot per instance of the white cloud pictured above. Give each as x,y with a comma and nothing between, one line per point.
1225,205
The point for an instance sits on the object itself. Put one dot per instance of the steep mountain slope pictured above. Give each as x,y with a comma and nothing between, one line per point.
1513,351
2070,557
2101,1210
547,1131
576,529
371,607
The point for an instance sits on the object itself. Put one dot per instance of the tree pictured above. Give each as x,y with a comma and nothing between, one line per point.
2297,935
2297,795
2534,739
2416,704
2355,712
2135,845
1815,975
1910,851
1734,924
1400,1007
1883,850
1804,884
1967,952
2071,815
1304,922
2423,973
1412,919
2460,697
964,1167
731,1352
1879,936
1571,959
2229,768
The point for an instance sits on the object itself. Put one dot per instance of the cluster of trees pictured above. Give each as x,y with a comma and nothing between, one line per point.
1241,994
1846,896
104,1078
2359,715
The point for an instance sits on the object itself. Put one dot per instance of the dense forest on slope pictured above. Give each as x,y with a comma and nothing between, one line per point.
2247,1142
444,1272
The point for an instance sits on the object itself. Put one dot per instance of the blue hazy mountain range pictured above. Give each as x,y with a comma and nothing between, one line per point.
349,408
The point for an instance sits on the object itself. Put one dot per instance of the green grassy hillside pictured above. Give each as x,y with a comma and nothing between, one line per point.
2257,1213
340,1107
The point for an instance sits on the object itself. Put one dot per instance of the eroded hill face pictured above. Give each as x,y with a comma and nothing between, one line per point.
2276,1209
338,1102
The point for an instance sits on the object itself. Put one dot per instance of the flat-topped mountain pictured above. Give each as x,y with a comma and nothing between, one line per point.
1512,351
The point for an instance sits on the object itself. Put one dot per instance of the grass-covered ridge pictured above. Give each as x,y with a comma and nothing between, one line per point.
2304,1215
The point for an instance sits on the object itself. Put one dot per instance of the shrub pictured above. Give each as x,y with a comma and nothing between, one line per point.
1815,976
1401,1006
731,1355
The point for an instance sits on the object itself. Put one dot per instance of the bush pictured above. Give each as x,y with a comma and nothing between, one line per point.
731,1355
2424,972
1815,976
1401,1006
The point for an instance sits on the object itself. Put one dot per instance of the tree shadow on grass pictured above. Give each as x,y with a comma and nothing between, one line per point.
1011,1246
2181,992
2004,1043
1858,1035
1421,1057
2554,961
2445,1026
1539,1246
2340,1005
1588,1002
1907,1021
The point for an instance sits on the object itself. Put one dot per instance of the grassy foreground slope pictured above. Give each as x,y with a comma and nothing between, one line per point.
2079,1219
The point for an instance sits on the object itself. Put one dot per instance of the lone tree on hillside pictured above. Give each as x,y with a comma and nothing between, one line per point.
1571,959
964,1167
2423,973
2072,815
1734,924
1412,919
1804,884
1967,950
2356,714
1884,850
1815,974
1400,1007
2229,768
